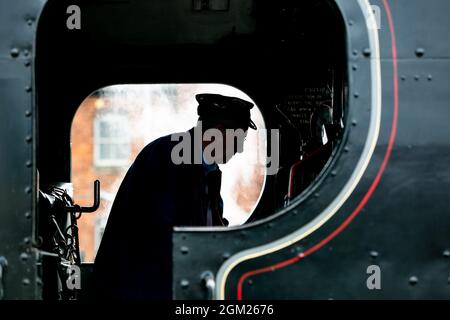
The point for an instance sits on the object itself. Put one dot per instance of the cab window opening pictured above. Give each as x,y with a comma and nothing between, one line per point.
115,123
300,89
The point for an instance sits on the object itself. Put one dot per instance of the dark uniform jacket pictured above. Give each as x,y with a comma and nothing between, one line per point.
134,260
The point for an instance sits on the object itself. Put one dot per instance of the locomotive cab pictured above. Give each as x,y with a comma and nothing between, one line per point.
289,58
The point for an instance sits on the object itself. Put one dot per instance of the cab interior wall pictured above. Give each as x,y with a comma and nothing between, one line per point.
266,50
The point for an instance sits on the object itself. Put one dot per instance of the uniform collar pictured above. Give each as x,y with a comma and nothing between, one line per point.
208,167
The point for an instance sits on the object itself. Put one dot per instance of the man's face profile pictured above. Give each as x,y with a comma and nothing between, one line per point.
221,143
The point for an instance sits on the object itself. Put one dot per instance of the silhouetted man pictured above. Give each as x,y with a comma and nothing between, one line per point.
174,181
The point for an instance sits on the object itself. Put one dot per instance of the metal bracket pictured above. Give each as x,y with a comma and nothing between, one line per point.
88,209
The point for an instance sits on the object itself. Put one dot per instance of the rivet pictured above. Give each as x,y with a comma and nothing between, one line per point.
416,77
250,281
430,77
333,173
28,138
294,212
356,95
38,242
354,123
24,256
446,253
184,283
29,21
269,225
346,149
26,240
184,250
420,52
403,78
28,88
27,215
26,53
29,164
367,52
374,254
226,255
28,189
355,67
413,280
355,52
27,63
28,113
26,281
316,195
15,52
350,22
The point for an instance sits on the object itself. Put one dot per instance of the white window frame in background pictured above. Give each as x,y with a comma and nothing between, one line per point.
98,139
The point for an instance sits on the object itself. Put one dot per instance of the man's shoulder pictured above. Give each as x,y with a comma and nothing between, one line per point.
166,141
161,146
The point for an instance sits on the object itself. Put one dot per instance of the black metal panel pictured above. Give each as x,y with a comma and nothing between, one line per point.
17,170
404,227
65,57
380,228
419,25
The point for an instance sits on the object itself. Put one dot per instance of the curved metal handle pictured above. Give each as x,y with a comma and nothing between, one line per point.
96,201
209,282
3,265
